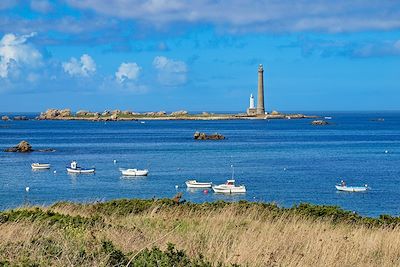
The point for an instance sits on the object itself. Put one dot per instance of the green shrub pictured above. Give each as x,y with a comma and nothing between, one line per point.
170,257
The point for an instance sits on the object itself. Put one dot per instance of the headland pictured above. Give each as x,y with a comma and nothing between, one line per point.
134,232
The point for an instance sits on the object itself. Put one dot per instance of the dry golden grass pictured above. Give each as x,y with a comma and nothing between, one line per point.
224,235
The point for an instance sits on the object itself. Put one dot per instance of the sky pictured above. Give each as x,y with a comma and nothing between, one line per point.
200,55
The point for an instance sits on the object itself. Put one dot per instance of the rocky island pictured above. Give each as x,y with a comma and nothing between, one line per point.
204,136
25,147
127,115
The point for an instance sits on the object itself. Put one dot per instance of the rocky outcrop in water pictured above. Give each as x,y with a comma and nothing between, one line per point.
203,136
20,118
179,113
319,122
23,147
82,113
52,114
106,113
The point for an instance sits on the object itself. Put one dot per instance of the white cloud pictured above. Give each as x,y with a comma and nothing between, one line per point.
256,15
128,71
83,67
16,53
170,72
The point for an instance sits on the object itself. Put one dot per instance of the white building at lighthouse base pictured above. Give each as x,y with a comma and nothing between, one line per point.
251,110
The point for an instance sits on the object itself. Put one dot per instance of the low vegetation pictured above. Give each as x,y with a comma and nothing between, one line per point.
163,233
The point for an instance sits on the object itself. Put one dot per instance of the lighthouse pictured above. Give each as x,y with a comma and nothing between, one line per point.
260,110
251,101
260,97
252,109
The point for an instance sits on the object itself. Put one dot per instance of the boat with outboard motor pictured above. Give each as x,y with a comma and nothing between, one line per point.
346,188
134,172
195,184
40,166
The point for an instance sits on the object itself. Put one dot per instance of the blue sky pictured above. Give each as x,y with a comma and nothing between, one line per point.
199,55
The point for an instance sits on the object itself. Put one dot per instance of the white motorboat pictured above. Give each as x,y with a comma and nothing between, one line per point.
134,172
195,184
229,188
352,188
77,170
40,166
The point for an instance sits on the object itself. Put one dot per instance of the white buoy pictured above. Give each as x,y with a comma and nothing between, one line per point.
115,161
54,172
386,151
27,189
176,186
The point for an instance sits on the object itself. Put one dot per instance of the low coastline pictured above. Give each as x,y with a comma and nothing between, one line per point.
117,115
242,233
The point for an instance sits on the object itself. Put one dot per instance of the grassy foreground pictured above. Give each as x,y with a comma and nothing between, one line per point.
140,233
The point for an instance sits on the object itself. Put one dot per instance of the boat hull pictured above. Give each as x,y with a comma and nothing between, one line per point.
78,171
195,184
229,190
39,166
351,188
129,172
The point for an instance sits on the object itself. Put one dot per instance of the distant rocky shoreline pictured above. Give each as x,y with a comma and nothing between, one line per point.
118,115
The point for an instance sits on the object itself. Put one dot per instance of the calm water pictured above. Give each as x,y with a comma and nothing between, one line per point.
285,161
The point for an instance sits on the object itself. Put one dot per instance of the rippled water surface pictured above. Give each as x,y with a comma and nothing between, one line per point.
285,161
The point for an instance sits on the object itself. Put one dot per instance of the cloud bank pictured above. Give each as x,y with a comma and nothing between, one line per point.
255,15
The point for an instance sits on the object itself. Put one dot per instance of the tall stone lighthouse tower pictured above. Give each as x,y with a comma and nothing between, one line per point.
260,97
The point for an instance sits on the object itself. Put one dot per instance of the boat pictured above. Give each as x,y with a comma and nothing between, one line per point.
328,118
229,188
346,188
75,169
134,172
195,184
40,166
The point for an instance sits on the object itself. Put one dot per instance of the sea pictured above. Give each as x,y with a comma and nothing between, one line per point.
282,161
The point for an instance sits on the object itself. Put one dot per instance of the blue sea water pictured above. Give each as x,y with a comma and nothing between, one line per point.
282,161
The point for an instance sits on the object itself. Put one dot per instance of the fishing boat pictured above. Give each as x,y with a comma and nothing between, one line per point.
134,172
346,188
195,184
40,166
229,188
74,168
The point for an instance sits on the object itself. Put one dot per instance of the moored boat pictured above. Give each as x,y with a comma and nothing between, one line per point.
229,188
195,184
134,172
346,188
40,166
74,168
